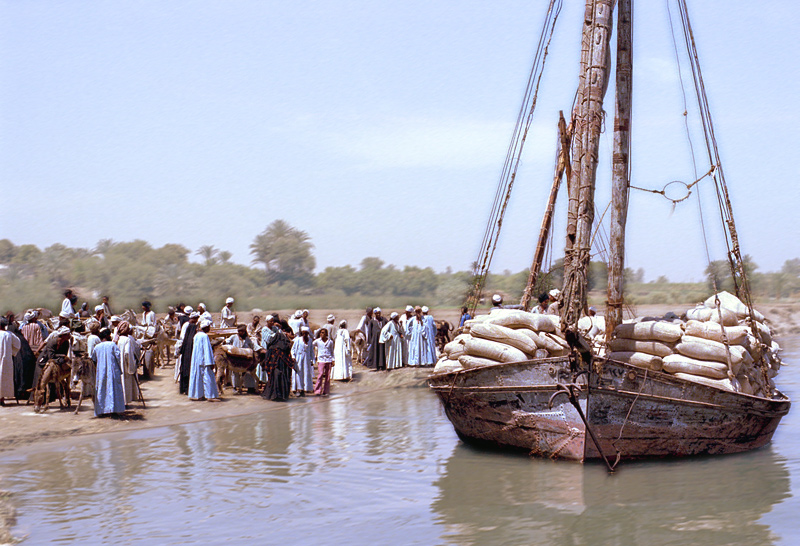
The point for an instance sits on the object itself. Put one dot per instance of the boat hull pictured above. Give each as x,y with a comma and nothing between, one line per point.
634,413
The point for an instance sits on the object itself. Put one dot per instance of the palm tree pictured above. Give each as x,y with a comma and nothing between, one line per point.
224,256
285,253
208,253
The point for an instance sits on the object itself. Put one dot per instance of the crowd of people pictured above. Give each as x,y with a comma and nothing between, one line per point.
292,356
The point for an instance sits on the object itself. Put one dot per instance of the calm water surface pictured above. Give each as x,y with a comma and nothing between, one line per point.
387,468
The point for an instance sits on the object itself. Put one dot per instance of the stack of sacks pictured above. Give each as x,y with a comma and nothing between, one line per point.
695,350
504,335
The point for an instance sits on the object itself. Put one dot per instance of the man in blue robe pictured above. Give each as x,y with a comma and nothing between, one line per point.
202,383
108,397
429,352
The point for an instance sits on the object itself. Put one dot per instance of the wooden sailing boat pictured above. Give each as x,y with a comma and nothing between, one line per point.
583,406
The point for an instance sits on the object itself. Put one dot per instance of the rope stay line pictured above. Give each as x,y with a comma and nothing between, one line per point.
480,269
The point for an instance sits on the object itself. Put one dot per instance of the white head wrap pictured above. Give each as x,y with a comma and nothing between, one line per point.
305,329
29,316
425,309
331,318
98,308
268,318
201,306
188,310
63,331
376,310
409,309
393,316
229,300
195,314
116,318
205,323
497,298
554,293
305,312
343,324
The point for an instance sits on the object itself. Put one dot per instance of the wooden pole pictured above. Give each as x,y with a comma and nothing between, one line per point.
620,181
547,221
598,27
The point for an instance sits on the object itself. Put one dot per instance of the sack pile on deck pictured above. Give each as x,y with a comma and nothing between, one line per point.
695,349
504,335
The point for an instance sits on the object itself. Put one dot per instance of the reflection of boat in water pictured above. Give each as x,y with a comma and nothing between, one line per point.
584,405
547,503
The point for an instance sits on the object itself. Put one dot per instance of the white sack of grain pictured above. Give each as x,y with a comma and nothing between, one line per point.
547,342
724,316
469,361
640,360
456,348
652,331
744,384
724,384
701,313
501,334
493,350
733,304
657,348
711,330
541,353
446,365
705,349
684,364
764,333
514,318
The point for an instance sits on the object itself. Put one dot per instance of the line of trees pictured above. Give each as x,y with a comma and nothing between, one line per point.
282,276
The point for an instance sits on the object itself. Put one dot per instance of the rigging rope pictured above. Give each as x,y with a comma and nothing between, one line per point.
509,171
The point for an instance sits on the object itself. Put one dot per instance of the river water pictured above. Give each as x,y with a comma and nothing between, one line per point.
386,468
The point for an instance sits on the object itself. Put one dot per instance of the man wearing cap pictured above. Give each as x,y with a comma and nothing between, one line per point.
109,396
303,354
9,347
430,338
392,339
404,318
369,327
228,317
554,294
497,303
204,314
184,348
242,340
295,322
32,330
329,326
202,383
380,347
130,351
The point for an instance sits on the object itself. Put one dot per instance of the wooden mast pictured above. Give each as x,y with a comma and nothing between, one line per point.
620,181
597,28
562,165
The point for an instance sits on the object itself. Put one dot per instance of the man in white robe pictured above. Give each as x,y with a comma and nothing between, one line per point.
415,331
67,306
130,351
342,354
9,347
295,322
392,339
148,319
227,316
404,318
204,314
303,354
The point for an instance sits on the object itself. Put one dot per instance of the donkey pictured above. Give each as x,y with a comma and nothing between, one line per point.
228,364
83,376
56,371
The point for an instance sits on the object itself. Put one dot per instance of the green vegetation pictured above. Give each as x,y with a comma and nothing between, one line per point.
282,276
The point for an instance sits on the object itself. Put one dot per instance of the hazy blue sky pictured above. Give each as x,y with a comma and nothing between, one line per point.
377,127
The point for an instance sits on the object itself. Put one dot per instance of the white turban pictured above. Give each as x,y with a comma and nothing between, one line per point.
376,310
497,298
205,323
188,310
305,329
393,316
305,312
29,316
195,314
115,318
554,293
63,331
409,309
343,324
331,318
201,305
268,318
229,300
425,309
